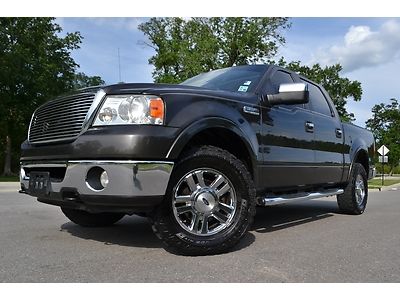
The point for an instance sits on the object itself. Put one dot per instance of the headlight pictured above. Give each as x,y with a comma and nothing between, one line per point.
131,109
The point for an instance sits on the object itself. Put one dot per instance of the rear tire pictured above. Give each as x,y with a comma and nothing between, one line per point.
354,199
209,203
86,219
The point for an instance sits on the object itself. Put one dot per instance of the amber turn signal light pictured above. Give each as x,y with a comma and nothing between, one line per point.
157,108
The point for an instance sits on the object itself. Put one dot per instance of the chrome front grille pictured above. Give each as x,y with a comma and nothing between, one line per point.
60,119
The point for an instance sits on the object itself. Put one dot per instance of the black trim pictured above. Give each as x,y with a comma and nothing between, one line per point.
93,203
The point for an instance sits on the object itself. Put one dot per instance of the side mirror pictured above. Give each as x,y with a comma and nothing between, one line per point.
290,93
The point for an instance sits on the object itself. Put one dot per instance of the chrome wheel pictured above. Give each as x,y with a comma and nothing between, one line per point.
359,189
204,202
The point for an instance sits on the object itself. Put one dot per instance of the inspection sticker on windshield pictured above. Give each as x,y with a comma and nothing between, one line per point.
248,82
243,88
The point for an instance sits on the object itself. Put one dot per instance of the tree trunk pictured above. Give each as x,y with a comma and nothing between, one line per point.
391,170
7,162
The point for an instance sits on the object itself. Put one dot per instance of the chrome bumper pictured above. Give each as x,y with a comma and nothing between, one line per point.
126,178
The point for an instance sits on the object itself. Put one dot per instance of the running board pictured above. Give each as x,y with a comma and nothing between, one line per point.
268,201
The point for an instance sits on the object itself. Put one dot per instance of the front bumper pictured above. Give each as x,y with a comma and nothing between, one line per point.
132,184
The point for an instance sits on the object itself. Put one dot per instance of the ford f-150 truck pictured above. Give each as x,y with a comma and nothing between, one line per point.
196,157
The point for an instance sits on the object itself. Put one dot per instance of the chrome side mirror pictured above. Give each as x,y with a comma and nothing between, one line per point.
290,93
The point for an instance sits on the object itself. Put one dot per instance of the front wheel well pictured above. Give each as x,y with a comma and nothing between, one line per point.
225,139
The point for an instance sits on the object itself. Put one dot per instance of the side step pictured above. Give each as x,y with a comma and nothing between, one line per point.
269,201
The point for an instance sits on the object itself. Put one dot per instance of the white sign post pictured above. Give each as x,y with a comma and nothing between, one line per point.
383,158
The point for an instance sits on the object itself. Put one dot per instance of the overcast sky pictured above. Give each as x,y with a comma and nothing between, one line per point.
367,48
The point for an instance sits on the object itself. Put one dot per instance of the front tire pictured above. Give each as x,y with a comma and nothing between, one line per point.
354,199
209,204
86,219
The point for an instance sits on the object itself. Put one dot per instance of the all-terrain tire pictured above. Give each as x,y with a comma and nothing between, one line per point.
86,219
350,201
181,241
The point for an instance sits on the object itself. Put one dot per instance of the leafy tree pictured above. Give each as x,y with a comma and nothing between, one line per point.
385,124
339,88
36,65
185,48
81,80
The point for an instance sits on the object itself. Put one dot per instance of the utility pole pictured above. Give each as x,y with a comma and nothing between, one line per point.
383,165
119,66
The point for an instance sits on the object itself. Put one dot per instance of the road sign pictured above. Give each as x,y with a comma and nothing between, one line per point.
383,159
383,150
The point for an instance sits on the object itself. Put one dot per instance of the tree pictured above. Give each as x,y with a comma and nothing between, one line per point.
385,124
81,80
339,88
185,48
36,65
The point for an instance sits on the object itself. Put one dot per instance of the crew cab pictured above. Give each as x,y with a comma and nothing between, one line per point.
195,157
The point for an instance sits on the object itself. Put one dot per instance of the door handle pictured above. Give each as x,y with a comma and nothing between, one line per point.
309,126
338,132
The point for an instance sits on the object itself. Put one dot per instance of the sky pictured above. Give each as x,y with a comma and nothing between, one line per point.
367,48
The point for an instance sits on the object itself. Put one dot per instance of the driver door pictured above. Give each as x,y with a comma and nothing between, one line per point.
287,140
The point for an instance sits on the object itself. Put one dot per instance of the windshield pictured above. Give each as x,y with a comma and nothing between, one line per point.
242,79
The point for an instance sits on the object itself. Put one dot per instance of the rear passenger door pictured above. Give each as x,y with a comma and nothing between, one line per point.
328,136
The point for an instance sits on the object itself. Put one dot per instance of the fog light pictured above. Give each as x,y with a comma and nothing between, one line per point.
104,179
97,179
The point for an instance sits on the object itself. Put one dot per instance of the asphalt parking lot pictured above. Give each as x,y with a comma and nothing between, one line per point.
308,241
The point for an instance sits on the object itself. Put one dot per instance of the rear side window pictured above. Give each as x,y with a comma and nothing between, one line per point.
318,100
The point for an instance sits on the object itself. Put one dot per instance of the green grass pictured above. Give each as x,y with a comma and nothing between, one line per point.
377,182
9,178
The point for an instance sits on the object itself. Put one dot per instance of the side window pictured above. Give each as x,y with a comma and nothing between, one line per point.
281,77
318,100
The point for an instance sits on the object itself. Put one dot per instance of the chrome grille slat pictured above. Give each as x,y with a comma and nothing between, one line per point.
65,104
55,130
60,119
75,106
56,119
40,136
57,104
57,136
73,110
67,99
53,125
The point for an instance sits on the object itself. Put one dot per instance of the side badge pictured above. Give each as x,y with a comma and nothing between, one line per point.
251,110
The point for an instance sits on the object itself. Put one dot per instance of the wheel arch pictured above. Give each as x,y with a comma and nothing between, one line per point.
360,156
222,133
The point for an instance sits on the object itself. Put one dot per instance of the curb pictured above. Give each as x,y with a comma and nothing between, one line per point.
7,187
393,187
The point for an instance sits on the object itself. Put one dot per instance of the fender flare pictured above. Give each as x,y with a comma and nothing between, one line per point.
354,154
245,133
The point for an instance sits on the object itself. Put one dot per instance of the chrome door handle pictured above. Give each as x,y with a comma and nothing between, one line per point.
309,126
338,132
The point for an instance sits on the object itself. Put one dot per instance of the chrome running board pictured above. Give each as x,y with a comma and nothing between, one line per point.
270,200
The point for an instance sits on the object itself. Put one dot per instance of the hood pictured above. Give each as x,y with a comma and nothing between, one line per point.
161,89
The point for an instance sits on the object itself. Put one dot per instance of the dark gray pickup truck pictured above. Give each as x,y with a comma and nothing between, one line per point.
197,157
